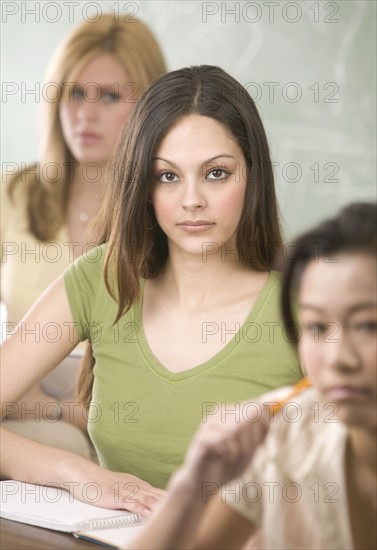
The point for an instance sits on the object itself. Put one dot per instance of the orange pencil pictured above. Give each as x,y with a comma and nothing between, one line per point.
297,388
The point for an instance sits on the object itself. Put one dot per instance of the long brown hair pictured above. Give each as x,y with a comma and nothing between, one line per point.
134,46
136,245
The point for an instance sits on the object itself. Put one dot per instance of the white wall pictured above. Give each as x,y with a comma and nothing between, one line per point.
323,52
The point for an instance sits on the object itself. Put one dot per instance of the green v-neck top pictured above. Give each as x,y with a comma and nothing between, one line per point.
143,416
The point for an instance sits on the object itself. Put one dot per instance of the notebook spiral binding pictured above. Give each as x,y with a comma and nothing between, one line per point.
110,523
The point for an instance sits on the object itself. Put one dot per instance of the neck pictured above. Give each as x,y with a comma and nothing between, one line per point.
363,447
86,190
89,176
195,280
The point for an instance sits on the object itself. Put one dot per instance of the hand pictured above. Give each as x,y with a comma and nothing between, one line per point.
221,450
115,490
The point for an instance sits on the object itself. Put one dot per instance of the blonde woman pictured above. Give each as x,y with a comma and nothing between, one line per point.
93,83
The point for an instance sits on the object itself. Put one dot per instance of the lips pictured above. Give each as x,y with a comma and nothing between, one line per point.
344,393
196,226
88,137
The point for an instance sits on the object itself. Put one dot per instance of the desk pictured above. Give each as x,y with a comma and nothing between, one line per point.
19,536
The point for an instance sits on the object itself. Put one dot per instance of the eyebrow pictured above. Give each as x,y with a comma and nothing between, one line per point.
222,155
352,309
101,86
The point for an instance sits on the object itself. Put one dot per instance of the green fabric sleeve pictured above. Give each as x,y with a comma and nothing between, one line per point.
81,281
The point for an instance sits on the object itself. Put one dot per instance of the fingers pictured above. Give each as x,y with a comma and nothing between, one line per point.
127,492
138,508
228,438
150,501
224,445
144,499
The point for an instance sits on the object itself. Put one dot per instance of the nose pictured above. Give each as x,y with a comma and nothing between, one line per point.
192,195
341,352
87,110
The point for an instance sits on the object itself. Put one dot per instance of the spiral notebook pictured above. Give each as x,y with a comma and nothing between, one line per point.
55,508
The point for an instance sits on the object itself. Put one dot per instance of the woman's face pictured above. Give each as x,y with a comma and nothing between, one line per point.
96,110
337,308
199,186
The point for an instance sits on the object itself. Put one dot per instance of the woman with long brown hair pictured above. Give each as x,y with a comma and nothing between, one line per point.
180,302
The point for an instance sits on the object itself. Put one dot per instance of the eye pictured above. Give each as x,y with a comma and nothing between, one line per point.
110,97
315,327
217,174
367,326
76,94
167,177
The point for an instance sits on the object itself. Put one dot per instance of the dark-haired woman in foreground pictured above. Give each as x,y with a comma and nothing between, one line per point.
312,482
181,303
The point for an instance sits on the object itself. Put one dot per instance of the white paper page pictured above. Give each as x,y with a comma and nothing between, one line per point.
50,507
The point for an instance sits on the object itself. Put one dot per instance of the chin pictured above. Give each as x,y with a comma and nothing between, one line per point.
95,159
197,251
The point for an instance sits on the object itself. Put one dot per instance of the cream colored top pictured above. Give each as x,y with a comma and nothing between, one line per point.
295,487
28,267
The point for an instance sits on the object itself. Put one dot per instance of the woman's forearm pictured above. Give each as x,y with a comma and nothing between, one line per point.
30,461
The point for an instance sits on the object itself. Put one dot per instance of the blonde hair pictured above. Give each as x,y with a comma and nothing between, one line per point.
135,48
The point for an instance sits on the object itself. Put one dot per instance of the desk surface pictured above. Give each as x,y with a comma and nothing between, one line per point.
19,536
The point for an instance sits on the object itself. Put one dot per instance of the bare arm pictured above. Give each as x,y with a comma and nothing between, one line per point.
27,357
44,337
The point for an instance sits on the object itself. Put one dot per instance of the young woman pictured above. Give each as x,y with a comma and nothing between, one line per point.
312,483
93,83
181,303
